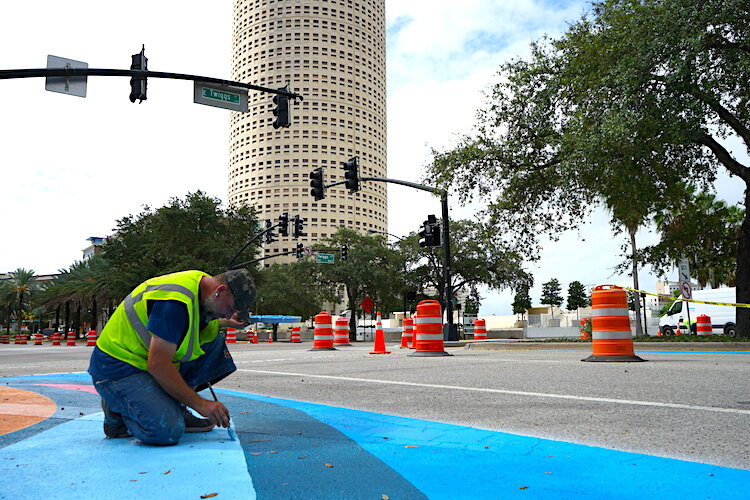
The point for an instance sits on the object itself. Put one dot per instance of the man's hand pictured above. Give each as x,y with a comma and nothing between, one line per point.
216,412
233,322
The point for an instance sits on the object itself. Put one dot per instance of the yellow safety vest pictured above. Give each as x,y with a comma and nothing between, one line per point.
125,336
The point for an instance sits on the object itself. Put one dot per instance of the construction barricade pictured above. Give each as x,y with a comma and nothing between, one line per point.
407,333
341,332
323,333
703,325
611,338
21,339
429,334
253,336
91,338
379,347
56,338
295,335
4,339
71,338
480,329
38,339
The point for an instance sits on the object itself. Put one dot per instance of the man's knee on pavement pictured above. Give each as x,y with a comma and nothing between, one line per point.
165,428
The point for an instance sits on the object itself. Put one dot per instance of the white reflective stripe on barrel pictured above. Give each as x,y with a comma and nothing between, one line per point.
424,319
429,336
610,311
611,335
321,326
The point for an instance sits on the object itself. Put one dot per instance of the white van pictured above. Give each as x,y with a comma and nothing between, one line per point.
723,318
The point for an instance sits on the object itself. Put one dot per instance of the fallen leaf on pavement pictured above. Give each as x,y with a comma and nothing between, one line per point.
523,488
209,495
410,446
384,497
170,470
255,453
329,465
304,456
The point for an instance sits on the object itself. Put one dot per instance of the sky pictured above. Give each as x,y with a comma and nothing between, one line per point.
70,167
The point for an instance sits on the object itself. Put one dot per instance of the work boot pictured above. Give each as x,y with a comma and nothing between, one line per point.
195,424
114,425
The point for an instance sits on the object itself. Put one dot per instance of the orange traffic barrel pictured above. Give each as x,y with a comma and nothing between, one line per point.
295,336
582,328
611,338
703,325
323,333
231,336
21,339
71,338
480,329
341,332
38,339
429,333
56,338
91,338
4,339
407,333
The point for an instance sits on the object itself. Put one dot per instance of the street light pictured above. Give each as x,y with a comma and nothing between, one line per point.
375,231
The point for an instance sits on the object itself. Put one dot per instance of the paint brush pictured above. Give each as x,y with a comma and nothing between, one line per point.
230,429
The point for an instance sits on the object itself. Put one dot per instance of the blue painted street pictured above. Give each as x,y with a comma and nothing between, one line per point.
292,449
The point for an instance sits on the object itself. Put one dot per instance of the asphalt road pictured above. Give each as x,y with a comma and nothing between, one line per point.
691,405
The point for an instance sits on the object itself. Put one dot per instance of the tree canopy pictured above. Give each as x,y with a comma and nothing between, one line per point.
636,97
190,233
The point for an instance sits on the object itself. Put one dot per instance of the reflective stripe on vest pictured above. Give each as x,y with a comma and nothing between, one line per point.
140,328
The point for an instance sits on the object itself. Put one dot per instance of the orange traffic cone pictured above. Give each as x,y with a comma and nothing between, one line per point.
270,337
254,337
379,347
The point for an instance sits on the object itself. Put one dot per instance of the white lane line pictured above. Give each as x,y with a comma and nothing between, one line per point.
515,393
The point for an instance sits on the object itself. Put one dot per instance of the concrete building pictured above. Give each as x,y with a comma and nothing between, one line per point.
333,53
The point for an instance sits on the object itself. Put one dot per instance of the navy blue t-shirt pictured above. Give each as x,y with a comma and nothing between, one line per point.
167,319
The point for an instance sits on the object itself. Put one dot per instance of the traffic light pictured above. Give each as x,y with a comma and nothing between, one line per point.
299,226
299,250
318,189
352,174
344,252
284,225
430,233
270,237
281,111
138,85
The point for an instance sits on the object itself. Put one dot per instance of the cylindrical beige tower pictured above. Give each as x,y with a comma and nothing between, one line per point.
333,53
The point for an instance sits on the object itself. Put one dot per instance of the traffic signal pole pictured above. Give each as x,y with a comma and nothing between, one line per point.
451,333
7,74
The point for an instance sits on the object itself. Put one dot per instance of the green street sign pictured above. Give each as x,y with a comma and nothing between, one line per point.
220,96
324,258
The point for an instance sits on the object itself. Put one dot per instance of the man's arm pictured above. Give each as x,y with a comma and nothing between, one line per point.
160,353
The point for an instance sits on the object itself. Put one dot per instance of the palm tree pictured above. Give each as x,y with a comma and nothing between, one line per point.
7,299
22,286
84,284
